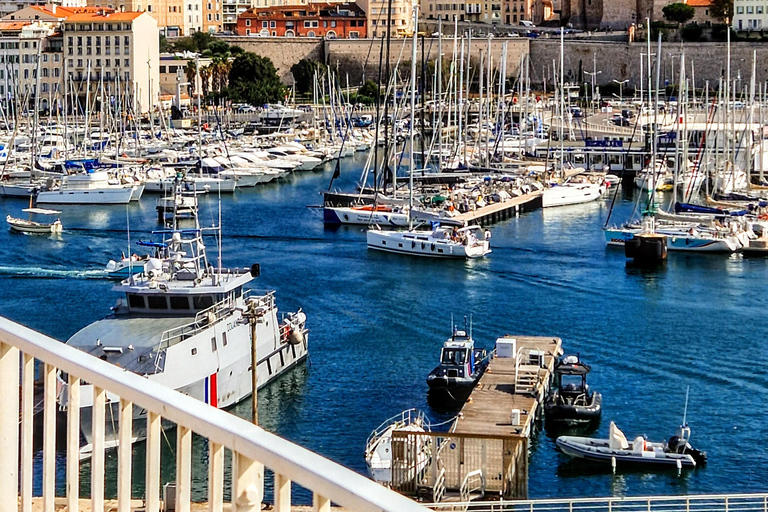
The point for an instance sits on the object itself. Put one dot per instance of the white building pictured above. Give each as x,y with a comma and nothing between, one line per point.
750,14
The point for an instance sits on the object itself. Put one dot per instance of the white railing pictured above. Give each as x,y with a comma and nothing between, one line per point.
252,447
692,503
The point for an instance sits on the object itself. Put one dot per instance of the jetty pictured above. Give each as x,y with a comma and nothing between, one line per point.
485,452
497,212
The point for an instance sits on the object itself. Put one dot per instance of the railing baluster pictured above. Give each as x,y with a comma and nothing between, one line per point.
282,493
98,425
215,477
27,430
183,468
73,444
247,484
124,456
320,503
9,423
49,437
152,473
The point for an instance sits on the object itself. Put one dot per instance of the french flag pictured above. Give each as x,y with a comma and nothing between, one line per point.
211,391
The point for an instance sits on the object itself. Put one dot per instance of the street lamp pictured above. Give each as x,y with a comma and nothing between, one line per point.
592,75
621,89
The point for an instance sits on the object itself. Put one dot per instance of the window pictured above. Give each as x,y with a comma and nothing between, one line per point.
126,41
179,302
149,8
56,72
106,62
739,10
136,301
157,302
311,33
117,40
202,301
272,24
210,18
44,87
354,35
127,63
98,63
759,9
26,73
333,24
71,63
264,24
45,72
213,344
749,9
247,22
127,76
79,63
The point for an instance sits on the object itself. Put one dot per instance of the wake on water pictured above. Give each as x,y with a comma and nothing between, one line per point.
48,273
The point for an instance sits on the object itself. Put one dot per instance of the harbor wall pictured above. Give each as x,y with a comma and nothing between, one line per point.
360,57
621,61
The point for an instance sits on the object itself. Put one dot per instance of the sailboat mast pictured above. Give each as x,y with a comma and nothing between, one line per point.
412,123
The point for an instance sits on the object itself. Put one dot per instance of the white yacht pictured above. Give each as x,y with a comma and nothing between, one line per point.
438,242
571,192
187,325
90,188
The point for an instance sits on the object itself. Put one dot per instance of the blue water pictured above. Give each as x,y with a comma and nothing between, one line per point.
378,320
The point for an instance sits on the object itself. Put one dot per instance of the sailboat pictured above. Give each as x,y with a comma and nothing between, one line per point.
437,241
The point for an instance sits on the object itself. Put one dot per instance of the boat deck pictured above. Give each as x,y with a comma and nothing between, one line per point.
488,411
497,212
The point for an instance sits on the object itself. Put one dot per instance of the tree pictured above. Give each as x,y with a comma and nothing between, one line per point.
678,12
722,10
254,79
691,32
368,89
164,45
304,74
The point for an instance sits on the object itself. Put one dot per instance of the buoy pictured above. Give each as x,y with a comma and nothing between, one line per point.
613,464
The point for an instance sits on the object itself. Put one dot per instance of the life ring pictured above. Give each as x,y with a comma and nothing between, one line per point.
763,216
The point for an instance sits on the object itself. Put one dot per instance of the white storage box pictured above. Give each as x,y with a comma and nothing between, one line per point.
515,417
506,347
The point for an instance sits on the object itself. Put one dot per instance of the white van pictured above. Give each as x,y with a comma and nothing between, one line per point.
527,23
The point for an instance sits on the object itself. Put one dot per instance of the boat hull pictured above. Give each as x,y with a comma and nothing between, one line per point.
395,242
567,195
116,195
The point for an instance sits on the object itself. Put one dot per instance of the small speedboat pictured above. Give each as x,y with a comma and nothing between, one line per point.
571,402
461,366
30,226
383,466
614,450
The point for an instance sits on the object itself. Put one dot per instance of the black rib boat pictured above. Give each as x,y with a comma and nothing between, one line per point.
571,402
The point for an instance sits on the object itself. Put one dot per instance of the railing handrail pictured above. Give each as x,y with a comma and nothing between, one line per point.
607,503
312,471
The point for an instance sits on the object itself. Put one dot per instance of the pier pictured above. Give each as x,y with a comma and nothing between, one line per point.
485,452
498,212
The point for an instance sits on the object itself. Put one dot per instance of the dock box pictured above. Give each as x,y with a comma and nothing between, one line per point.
506,347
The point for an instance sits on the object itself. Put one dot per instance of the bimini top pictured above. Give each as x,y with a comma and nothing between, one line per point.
571,365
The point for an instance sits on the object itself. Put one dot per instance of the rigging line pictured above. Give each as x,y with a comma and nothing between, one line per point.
623,169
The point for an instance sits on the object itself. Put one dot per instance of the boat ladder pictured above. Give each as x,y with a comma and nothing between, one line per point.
473,486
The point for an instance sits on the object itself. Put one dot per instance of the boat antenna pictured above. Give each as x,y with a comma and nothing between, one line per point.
685,410
453,325
465,324
470,325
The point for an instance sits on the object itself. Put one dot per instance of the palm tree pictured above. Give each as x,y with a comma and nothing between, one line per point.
191,70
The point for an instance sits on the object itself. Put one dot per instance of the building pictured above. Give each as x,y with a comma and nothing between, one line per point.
10,32
173,71
174,17
120,48
10,6
213,16
337,20
40,64
750,15
230,10
400,20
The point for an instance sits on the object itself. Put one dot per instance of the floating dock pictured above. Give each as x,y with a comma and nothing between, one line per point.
498,212
485,453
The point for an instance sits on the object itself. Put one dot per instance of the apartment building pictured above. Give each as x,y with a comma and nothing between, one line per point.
487,11
10,31
40,64
213,19
10,6
343,20
120,48
399,23
750,15
174,17
231,9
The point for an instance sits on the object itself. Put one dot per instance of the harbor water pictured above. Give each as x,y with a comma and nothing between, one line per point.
377,322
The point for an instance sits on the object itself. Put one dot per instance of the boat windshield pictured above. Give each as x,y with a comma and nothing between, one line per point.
571,382
453,356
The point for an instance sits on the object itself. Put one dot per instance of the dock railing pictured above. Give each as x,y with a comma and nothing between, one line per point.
252,448
691,503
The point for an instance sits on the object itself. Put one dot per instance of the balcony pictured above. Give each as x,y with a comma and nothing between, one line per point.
253,449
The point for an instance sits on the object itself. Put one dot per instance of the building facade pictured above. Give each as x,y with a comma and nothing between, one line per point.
750,15
230,10
174,17
213,20
379,21
121,49
337,20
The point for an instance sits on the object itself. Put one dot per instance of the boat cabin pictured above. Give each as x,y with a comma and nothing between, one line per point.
571,377
457,357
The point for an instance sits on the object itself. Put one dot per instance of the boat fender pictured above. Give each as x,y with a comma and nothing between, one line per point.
210,317
255,270
295,336
487,234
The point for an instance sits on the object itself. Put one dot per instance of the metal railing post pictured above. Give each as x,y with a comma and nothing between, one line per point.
49,437
9,423
183,468
124,456
98,419
27,430
282,493
152,468
215,477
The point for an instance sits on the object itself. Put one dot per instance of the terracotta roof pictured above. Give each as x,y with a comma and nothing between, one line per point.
13,25
66,12
96,17
313,10
699,3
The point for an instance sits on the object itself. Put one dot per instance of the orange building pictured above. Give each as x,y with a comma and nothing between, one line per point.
337,20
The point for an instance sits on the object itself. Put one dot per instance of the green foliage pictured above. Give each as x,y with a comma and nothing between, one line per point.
659,27
304,74
722,10
678,12
368,89
164,45
691,32
254,79
720,33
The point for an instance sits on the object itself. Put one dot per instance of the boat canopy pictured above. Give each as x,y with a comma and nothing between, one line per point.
570,365
161,245
41,211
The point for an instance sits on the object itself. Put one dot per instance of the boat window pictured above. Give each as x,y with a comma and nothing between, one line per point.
157,302
202,302
224,339
452,356
136,301
179,302
213,344
570,383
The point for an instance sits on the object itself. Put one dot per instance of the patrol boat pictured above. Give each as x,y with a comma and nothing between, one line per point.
461,366
188,325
